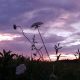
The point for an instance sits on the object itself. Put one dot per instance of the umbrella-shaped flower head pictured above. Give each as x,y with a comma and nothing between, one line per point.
36,25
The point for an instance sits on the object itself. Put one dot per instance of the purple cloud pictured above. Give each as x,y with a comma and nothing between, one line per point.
61,20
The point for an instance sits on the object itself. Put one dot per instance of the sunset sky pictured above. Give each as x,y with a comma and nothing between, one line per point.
61,20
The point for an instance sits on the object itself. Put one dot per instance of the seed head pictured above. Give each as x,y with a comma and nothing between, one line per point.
14,27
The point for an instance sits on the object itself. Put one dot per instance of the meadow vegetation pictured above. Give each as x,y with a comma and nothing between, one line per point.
36,69
19,67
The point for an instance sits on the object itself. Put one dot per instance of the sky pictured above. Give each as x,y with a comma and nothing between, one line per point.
61,24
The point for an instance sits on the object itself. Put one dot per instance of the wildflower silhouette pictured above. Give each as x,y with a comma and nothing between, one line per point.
32,42
36,26
38,51
75,56
78,53
57,48
15,27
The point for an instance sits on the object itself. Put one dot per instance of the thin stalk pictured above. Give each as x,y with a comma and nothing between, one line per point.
29,41
26,38
42,55
44,45
24,34
38,53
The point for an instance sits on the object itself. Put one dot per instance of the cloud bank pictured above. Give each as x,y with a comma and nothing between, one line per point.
61,20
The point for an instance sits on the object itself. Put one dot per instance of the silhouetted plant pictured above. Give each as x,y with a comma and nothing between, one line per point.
75,56
34,55
41,55
20,58
78,53
6,55
32,43
57,48
7,65
38,51
36,26
15,27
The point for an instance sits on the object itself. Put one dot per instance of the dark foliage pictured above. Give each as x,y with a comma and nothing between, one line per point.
37,70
